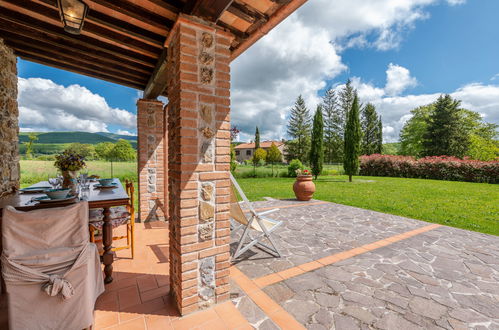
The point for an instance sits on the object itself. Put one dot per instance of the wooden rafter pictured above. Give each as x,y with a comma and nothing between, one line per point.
207,9
157,83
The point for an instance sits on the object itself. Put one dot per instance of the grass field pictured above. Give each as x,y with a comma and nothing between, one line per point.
472,206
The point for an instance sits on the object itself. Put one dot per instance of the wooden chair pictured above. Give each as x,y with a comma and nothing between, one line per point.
127,219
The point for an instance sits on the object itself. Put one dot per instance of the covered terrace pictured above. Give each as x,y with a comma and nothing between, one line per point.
181,49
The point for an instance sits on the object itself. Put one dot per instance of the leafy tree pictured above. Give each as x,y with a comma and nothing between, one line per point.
299,130
257,138
274,155
234,132
122,151
103,149
346,97
445,134
29,145
379,145
233,163
334,120
353,136
260,154
370,129
412,134
483,149
86,150
317,148
391,148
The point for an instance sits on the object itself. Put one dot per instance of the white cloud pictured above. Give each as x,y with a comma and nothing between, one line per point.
456,2
47,106
398,79
495,77
303,53
123,132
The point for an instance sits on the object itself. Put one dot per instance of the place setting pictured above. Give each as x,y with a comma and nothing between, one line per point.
106,184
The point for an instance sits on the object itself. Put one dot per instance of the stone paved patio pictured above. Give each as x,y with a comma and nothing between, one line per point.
444,278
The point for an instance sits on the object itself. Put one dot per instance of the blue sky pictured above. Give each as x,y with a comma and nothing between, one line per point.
456,45
399,54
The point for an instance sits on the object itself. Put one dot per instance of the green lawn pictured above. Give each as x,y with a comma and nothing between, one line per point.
472,206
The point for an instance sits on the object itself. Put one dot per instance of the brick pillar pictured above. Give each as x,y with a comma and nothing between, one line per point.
152,151
198,137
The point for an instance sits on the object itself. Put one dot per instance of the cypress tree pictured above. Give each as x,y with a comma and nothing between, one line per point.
257,138
445,134
299,130
334,120
379,144
317,147
370,127
353,136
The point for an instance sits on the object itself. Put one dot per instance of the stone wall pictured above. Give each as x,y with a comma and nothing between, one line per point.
198,137
152,151
9,126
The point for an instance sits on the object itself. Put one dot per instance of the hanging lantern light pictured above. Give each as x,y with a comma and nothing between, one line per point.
73,14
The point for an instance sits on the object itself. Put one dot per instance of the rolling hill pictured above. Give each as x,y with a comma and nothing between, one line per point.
55,142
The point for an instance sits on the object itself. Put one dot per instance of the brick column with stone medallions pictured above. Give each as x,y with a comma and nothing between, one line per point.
199,163
152,151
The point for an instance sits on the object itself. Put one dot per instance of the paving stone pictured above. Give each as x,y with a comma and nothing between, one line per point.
479,303
302,310
345,322
250,310
428,308
360,314
391,321
391,298
327,300
324,317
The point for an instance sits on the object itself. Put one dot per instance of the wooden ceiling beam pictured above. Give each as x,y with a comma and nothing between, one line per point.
132,10
207,9
246,12
9,30
47,28
49,15
99,75
29,45
159,79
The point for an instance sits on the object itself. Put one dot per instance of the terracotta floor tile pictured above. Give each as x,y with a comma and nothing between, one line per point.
383,243
265,303
358,250
162,280
104,319
268,280
147,282
154,293
195,320
284,320
216,324
137,324
309,266
128,297
120,283
155,306
158,322
291,272
329,259
370,247
107,301
230,315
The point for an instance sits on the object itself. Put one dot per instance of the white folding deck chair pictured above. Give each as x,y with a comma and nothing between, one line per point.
256,221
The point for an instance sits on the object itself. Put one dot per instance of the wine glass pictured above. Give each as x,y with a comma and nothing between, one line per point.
54,182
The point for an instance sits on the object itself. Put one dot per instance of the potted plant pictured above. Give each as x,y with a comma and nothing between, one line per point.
303,187
69,162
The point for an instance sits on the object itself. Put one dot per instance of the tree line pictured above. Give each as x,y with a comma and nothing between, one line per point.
444,128
341,130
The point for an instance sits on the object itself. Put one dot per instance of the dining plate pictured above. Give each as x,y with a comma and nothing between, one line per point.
34,189
46,199
111,186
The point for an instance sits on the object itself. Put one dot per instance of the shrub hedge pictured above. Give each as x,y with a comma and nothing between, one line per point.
437,168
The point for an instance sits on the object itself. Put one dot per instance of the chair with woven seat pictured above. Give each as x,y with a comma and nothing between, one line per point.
121,215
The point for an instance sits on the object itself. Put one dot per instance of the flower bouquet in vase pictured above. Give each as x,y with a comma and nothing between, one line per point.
69,162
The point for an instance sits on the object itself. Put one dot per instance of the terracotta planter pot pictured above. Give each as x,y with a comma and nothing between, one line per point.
304,187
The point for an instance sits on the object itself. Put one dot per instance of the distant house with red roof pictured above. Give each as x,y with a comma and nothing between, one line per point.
245,151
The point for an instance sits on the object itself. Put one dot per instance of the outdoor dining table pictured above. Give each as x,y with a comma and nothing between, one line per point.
97,198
